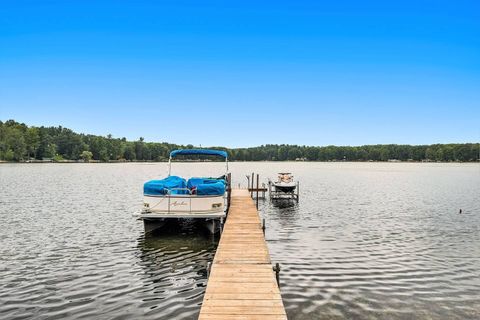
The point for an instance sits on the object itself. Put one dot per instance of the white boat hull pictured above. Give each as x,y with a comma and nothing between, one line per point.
284,187
184,205
158,209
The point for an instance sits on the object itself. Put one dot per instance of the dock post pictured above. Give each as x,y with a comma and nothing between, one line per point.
209,265
298,190
277,273
229,190
251,190
270,189
263,226
258,186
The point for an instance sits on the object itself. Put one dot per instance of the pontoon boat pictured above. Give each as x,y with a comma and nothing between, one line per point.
175,197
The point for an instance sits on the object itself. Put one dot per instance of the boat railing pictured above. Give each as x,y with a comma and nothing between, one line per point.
169,191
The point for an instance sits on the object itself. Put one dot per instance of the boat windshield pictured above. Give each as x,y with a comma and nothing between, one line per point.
285,177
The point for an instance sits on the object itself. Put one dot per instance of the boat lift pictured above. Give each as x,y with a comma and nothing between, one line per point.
277,195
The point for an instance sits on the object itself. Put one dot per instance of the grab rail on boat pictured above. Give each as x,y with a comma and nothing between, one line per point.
169,191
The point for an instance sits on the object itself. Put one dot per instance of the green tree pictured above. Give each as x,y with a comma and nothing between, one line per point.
430,153
129,153
139,146
51,150
16,142
32,139
86,155
7,155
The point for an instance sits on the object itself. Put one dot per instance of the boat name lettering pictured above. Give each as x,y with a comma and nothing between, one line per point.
176,203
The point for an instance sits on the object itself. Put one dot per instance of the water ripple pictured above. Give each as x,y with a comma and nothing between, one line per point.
366,241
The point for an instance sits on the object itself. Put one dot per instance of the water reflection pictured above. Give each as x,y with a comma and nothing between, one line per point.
366,241
284,204
173,260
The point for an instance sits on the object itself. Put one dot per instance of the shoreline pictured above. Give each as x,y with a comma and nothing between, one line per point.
313,161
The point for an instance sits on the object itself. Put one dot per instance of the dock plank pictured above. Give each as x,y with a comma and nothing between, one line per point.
242,284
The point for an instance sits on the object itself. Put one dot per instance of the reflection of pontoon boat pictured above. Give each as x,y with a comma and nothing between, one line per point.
175,197
284,183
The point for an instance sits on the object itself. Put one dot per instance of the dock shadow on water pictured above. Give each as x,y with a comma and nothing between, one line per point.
173,260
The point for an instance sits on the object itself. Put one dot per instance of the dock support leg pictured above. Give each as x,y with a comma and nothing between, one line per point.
298,190
209,266
270,190
277,273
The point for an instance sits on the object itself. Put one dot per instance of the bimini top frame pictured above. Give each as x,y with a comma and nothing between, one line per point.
205,152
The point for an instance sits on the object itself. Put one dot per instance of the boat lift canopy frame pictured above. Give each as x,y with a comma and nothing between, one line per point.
205,152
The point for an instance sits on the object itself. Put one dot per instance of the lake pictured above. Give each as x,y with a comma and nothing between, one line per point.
366,241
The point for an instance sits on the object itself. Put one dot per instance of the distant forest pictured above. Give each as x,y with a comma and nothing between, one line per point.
19,142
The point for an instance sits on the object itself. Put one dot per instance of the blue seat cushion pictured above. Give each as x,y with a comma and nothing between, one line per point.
164,186
211,188
207,186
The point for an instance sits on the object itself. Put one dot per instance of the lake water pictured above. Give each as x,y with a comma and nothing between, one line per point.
366,241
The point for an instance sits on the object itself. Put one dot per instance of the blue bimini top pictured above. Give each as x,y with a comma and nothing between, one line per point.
164,186
206,152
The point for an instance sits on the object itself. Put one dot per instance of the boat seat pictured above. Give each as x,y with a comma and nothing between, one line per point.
194,182
206,186
164,186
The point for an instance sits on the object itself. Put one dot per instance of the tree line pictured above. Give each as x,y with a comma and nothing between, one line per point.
19,142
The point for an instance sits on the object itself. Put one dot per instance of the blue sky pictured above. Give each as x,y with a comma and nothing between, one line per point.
245,73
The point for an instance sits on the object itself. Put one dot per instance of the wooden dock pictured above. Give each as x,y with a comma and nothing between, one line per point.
242,284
